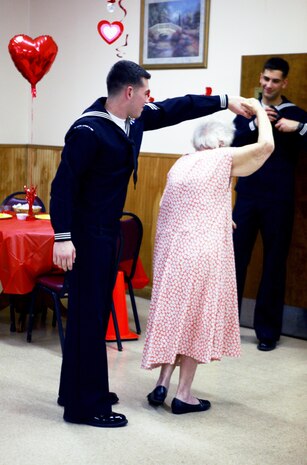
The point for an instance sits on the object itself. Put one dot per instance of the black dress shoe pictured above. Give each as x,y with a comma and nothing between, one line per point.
112,420
266,345
112,396
179,407
157,396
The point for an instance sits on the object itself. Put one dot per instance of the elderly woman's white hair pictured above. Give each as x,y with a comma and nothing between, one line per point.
212,134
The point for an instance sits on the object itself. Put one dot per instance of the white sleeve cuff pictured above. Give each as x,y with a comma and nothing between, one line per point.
62,236
224,101
303,130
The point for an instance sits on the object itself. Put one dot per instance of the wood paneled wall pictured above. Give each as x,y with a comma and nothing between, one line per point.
13,169
145,199
22,165
28,164
25,165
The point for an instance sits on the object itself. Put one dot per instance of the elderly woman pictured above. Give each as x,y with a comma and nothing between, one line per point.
193,315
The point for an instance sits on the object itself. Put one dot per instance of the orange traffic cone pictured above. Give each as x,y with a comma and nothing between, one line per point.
120,304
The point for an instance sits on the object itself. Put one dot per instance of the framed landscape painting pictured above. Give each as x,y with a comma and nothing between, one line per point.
174,33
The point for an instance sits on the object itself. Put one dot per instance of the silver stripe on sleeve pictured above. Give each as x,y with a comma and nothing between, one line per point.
303,130
62,236
223,101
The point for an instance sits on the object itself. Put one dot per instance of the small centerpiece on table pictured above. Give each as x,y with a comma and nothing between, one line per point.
30,196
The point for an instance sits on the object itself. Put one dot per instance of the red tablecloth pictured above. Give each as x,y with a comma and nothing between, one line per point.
26,252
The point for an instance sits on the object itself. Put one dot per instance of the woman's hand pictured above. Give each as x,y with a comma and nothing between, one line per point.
252,106
236,105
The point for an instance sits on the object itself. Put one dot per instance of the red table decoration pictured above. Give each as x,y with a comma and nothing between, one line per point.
30,196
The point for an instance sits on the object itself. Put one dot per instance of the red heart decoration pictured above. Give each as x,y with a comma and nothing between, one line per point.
33,57
110,32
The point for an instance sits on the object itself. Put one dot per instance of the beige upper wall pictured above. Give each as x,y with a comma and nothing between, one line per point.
77,77
14,100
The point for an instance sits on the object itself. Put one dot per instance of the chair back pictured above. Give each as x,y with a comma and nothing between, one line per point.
20,197
132,235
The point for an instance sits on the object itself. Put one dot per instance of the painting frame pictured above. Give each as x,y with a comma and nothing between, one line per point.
174,34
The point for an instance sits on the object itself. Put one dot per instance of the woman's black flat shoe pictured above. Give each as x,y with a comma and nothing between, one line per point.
157,396
179,407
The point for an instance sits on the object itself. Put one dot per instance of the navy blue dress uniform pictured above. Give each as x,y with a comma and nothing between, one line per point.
87,198
265,203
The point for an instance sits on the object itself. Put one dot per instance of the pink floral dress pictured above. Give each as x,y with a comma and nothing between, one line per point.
194,309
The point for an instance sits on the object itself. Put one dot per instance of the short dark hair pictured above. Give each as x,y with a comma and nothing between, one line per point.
123,73
277,63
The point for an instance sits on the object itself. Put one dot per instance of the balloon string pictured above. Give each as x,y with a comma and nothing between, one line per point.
119,52
124,10
32,131
32,120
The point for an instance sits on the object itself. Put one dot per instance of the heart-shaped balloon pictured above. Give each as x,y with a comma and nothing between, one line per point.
110,32
33,57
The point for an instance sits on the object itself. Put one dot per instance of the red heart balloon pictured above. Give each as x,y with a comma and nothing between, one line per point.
110,32
33,57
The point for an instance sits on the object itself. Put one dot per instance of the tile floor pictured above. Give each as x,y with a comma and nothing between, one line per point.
258,414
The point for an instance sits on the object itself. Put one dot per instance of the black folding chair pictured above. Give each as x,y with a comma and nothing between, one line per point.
132,234
56,285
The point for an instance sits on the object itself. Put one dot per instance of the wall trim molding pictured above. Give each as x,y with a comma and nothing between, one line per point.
294,319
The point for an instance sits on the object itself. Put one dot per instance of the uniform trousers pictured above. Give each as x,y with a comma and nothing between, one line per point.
274,220
84,385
